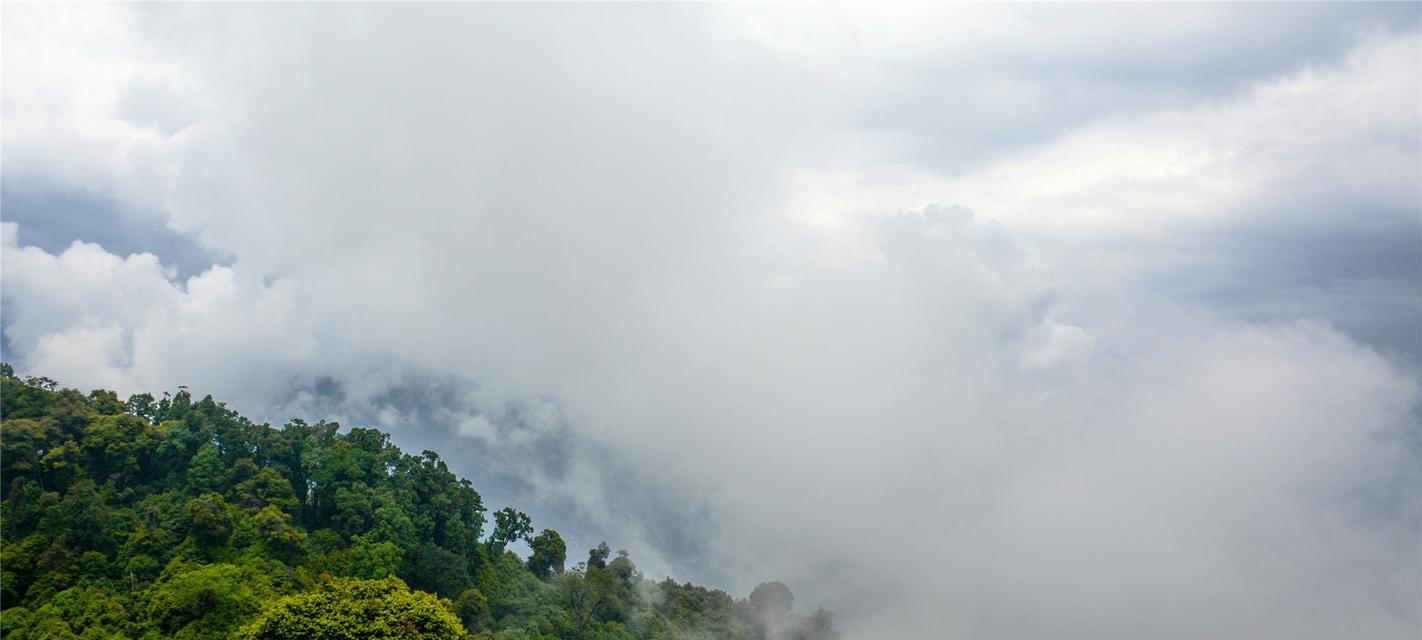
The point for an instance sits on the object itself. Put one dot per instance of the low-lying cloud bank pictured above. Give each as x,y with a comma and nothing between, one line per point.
673,276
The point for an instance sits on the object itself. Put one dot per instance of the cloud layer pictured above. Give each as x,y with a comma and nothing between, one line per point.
985,322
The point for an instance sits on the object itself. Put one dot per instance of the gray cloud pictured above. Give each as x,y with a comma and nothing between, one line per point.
53,219
1011,79
666,275
1362,277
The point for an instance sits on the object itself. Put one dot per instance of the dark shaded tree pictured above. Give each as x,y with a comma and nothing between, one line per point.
473,611
549,554
597,556
440,571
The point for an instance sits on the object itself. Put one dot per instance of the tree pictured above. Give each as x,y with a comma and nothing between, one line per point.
590,598
579,601
473,610
369,558
772,598
392,522
623,568
549,554
86,519
182,519
105,402
597,556
208,601
87,612
210,520
385,609
281,540
264,487
440,570
510,525
206,471
143,406
117,447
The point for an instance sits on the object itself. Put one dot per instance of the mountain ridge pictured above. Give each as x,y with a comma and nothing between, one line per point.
166,516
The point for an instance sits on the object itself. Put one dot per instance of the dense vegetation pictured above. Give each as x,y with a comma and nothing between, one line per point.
169,517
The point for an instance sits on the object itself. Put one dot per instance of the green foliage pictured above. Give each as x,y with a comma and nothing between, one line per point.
171,517
210,519
89,611
206,601
473,610
278,536
549,554
83,517
597,557
510,525
254,487
440,571
367,558
350,609
205,471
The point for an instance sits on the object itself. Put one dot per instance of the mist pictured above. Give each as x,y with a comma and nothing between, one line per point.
1082,322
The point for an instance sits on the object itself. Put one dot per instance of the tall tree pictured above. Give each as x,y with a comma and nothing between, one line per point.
549,554
510,525
597,556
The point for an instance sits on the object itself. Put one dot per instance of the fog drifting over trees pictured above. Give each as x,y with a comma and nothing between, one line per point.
1081,322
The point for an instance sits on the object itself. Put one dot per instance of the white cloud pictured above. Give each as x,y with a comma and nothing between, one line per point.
96,355
708,304
476,427
1274,147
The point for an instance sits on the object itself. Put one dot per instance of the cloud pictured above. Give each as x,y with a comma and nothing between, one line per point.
54,218
1241,202
1192,495
956,86
673,276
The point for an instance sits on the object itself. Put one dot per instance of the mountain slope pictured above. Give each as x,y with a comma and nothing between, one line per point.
169,517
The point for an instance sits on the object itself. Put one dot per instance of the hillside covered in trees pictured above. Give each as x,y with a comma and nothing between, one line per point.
165,517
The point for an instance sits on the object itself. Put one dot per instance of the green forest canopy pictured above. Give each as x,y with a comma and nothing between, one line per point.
173,518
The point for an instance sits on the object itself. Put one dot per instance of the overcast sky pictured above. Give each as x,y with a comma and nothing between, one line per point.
990,322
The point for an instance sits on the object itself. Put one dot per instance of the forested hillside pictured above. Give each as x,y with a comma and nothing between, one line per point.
158,517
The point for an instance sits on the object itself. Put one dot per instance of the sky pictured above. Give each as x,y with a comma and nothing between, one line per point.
963,321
